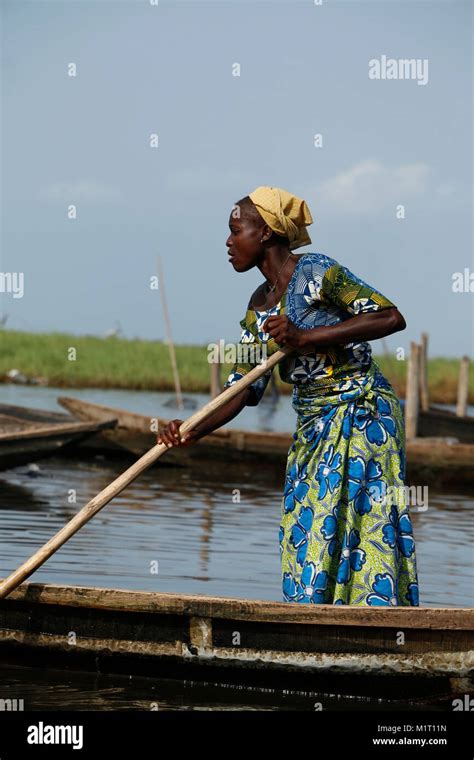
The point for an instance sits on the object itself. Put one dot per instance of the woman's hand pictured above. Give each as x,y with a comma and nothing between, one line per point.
285,332
171,437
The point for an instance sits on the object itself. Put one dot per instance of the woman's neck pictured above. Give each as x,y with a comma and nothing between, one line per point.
264,297
275,264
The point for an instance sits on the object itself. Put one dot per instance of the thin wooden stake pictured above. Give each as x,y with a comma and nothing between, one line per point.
174,366
216,379
127,477
411,395
463,387
424,393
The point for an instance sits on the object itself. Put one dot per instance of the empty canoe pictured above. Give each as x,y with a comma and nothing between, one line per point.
30,434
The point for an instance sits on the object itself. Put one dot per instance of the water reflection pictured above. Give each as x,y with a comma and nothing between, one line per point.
50,689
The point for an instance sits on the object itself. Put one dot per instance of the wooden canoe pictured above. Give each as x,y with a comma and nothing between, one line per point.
190,636
433,461
446,424
30,434
133,434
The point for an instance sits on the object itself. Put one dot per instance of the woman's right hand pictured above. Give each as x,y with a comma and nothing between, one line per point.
171,437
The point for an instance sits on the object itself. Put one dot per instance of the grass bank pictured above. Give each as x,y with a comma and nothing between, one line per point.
145,365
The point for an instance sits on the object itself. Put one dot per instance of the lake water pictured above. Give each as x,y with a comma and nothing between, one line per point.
204,542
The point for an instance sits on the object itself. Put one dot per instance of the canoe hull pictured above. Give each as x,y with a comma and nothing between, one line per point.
155,633
446,424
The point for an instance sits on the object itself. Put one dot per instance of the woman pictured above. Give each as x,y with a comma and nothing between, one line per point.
345,534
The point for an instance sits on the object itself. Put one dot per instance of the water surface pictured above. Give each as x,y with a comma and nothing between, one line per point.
183,530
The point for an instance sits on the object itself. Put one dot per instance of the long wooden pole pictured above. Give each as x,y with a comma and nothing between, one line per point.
118,485
174,366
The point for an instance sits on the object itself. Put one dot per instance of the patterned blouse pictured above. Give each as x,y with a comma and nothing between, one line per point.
321,292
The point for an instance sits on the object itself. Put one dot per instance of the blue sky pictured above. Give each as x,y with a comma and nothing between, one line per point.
167,69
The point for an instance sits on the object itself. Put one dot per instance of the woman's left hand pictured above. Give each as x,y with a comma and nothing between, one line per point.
284,332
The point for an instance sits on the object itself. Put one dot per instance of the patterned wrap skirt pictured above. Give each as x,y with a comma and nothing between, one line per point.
346,535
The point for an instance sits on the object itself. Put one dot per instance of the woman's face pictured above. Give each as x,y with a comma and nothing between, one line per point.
244,242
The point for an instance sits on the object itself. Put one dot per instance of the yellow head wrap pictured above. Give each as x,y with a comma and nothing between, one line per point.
284,213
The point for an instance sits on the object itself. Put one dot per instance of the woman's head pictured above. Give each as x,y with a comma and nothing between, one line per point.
267,218
249,234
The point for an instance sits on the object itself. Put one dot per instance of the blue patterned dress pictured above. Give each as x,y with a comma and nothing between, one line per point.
345,534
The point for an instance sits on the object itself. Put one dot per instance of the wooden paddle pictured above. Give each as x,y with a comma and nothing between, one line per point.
127,477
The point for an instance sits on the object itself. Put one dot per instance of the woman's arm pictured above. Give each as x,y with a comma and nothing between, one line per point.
362,327
170,434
